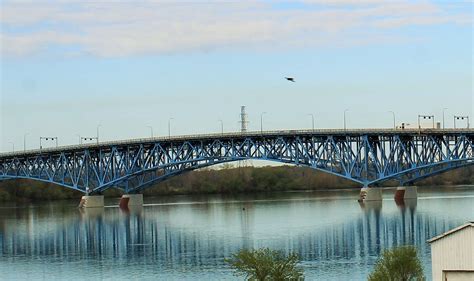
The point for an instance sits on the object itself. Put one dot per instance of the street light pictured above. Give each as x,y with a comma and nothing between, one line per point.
13,146
443,115
80,139
261,121
98,126
222,125
151,130
312,120
345,110
393,115
169,127
24,141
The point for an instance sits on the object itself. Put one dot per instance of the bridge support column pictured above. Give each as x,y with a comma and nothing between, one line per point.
92,201
370,194
128,200
406,192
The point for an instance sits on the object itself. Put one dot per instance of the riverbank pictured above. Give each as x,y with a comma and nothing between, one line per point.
228,180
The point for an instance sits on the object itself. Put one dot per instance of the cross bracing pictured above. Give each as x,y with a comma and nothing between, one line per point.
368,157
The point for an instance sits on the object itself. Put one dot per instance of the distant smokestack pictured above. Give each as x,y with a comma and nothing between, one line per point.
243,119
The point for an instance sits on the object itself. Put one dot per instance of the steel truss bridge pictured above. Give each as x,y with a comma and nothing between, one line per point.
367,156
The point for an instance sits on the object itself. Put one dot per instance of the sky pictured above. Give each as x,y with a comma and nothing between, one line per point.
69,66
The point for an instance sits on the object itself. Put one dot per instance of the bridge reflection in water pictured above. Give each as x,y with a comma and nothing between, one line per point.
326,232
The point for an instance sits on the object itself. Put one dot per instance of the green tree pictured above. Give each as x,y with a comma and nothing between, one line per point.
398,264
265,264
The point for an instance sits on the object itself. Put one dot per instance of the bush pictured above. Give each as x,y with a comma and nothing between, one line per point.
400,263
265,264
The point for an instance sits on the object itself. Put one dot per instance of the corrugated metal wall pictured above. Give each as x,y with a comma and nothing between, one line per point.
453,252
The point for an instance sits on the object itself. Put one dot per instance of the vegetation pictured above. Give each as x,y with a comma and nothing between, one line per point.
27,190
265,264
398,264
229,179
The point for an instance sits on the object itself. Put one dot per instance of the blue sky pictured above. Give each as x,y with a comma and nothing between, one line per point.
68,66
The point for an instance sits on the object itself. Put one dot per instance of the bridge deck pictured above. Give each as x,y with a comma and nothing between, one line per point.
276,133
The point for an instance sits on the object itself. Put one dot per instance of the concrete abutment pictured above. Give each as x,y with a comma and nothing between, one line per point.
92,201
406,192
370,194
128,200
401,193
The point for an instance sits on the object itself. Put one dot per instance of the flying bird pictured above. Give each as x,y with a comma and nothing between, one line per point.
290,79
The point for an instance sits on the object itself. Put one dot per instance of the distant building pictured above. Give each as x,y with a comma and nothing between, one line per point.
452,254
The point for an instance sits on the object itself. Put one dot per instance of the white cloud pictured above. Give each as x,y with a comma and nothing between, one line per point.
118,28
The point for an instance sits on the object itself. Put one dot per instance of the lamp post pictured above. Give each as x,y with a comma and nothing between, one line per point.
345,110
222,126
24,141
13,146
151,130
312,120
443,115
169,127
98,126
79,138
393,115
261,122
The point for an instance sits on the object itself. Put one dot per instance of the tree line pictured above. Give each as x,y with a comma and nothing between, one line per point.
227,179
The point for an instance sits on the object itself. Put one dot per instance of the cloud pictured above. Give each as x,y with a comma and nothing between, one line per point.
118,28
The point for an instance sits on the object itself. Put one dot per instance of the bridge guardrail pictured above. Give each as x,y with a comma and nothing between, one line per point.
235,134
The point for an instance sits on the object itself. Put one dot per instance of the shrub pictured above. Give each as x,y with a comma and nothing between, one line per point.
265,264
400,263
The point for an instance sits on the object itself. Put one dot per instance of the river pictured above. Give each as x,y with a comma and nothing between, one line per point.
188,237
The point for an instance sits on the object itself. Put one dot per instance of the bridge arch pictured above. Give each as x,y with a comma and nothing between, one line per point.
436,172
157,179
75,188
401,177
425,171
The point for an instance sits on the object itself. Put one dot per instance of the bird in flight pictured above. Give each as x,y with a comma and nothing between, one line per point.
290,79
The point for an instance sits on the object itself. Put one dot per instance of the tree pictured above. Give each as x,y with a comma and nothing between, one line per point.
265,264
398,264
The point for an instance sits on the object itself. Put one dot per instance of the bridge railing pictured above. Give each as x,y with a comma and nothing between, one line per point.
234,135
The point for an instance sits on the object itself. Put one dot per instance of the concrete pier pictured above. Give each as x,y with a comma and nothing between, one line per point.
129,200
406,192
370,194
92,201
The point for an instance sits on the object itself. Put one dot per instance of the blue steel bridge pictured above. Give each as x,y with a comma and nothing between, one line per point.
366,156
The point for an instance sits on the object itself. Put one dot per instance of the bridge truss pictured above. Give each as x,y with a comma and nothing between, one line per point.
366,157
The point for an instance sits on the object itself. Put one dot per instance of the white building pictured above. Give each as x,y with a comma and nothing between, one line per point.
452,254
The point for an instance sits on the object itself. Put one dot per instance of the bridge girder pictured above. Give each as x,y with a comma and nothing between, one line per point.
367,159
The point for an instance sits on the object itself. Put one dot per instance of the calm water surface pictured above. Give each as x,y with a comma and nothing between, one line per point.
188,238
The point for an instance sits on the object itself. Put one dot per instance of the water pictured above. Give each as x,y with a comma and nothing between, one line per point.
187,238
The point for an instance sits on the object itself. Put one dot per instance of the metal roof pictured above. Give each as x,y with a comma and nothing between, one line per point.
449,232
